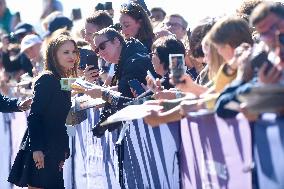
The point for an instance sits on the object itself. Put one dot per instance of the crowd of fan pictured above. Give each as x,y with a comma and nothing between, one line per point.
217,52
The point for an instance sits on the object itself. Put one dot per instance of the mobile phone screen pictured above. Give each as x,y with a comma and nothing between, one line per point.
136,86
92,59
177,67
76,14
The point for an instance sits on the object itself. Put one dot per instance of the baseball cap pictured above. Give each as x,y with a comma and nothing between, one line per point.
23,27
57,23
29,41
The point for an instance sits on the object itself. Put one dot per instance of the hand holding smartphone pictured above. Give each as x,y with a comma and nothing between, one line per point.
92,60
136,86
177,67
259,57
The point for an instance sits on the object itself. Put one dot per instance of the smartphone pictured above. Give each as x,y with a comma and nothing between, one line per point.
259,57
92,60
177,67
76,14
136,86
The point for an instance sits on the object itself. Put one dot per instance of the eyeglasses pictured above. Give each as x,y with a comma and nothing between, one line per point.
175,25
270,32
102,46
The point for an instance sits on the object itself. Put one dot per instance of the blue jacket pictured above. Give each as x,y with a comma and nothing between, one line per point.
229,94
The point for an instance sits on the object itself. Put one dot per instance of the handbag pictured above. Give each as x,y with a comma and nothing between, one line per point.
20,171
76,117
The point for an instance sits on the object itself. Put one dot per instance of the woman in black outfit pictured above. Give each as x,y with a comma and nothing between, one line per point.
47,136
136,23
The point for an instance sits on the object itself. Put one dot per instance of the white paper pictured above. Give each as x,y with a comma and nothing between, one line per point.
201,112
131,112
85,84
85,102
233,106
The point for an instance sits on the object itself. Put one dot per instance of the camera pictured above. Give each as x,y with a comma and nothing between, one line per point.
88,57
12,38
260,56
177,67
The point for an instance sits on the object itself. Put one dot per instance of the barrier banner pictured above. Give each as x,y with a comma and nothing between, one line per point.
95,159
151,156
269,151
215,153
5,150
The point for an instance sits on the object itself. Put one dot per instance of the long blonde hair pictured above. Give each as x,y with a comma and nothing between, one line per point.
216,60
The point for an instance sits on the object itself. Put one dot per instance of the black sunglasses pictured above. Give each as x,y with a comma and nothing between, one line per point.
102,46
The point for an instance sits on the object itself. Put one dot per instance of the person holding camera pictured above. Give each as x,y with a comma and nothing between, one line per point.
226,35
268,20
21,64
93,24
132,60
161,49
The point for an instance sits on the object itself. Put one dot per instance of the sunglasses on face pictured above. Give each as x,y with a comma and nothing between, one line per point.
175,25
102,46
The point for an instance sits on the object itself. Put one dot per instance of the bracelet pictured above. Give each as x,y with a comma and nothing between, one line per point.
178,94
105,94
110,97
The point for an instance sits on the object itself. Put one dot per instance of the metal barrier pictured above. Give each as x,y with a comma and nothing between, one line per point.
215,153
269,151
203,152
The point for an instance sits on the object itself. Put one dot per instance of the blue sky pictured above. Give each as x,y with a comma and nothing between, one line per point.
193,11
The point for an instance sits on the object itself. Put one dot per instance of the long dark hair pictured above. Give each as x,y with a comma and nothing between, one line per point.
51,61
135,11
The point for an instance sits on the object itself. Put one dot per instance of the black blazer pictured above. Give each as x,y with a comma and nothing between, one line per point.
8,104
46,121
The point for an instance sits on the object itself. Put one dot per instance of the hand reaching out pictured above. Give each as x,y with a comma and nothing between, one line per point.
25,104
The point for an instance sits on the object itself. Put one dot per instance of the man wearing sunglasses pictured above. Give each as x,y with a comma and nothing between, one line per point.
176,24
132,62
268,20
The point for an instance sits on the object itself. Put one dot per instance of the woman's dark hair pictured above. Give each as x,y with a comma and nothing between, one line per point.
165,46
110,33
101,19
135,11
197,35
51,60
